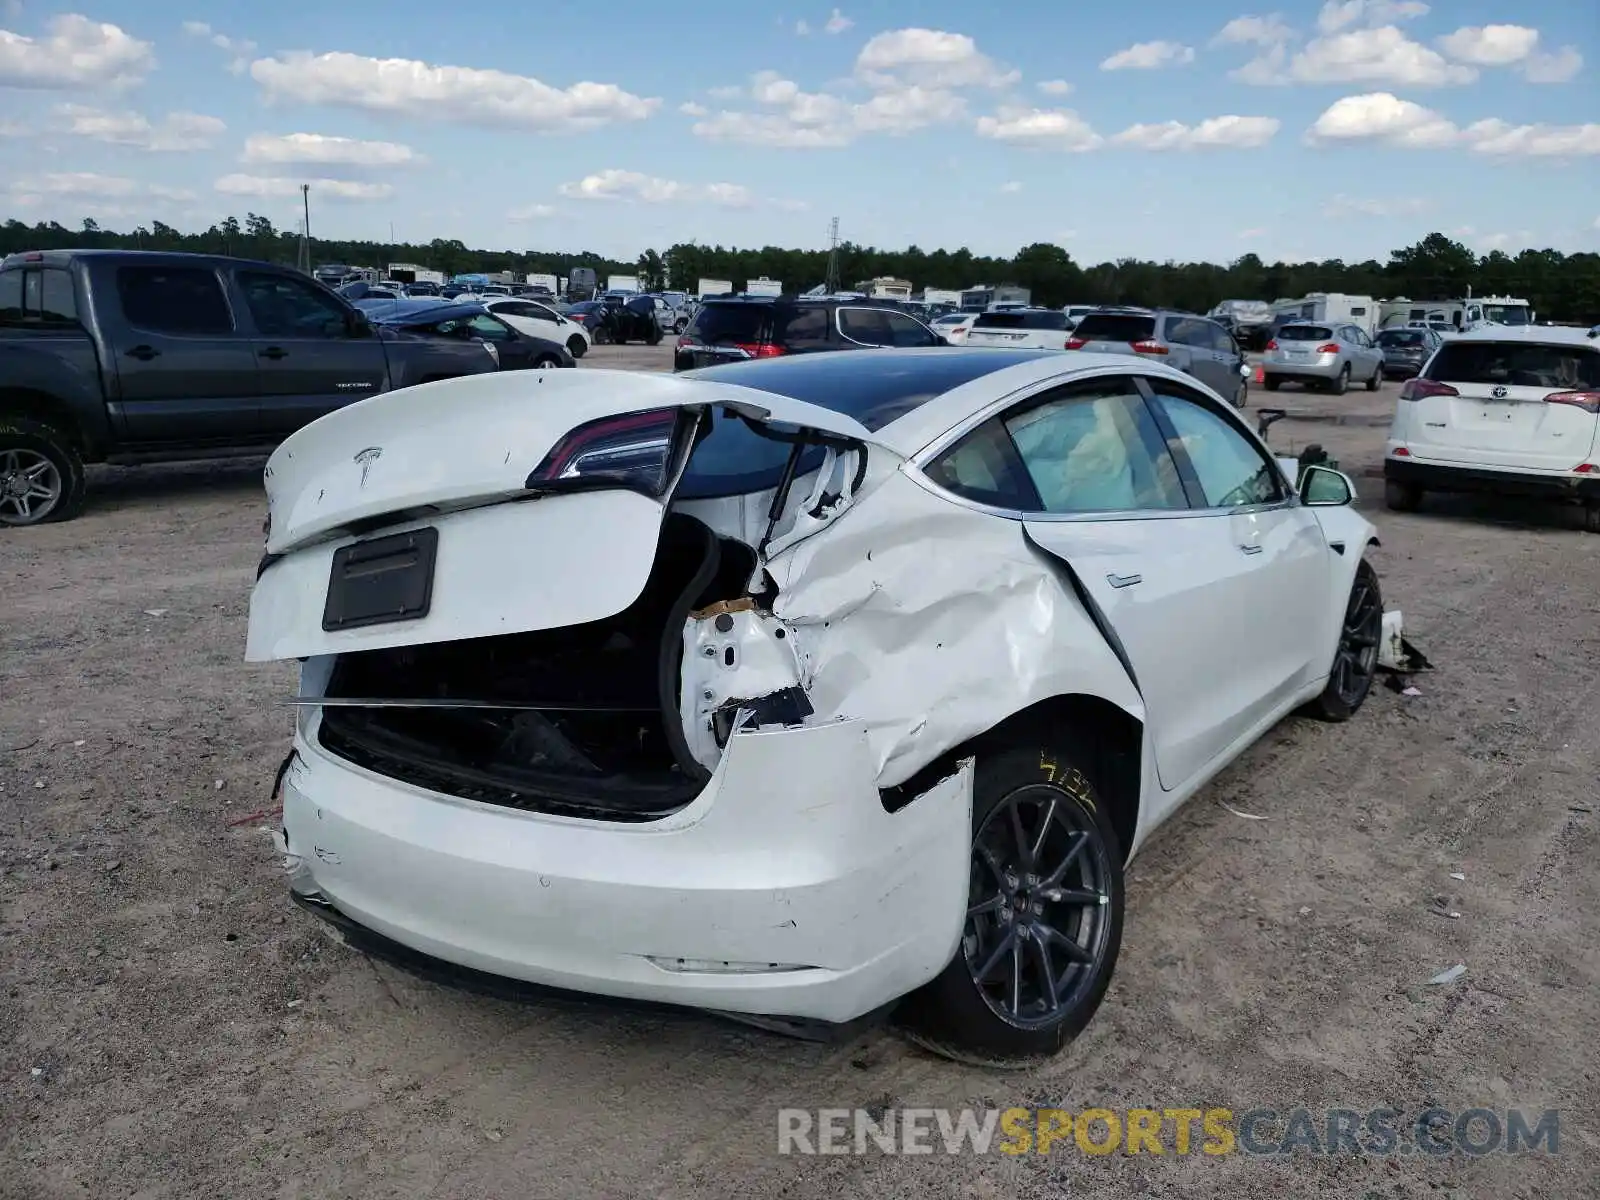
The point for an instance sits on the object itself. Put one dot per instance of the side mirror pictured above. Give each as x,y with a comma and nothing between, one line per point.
1323,487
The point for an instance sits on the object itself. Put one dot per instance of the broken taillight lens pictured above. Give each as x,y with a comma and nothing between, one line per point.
641,451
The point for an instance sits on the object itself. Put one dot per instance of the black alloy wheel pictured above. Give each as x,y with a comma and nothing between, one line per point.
1355,661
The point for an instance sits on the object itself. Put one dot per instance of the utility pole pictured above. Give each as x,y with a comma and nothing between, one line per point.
831,283
305,230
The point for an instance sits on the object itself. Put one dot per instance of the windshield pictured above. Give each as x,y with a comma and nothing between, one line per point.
1517,364
1506,314
1115,327
1305,333
1400,337
732,324
1022,319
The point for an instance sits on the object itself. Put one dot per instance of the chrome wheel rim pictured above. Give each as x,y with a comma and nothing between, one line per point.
30,487
1039,907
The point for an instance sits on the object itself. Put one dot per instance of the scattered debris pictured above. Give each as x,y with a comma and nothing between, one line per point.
296,1003
114,865
1444,912
38,1071
95,952
258,815
1411,691
1450,975
1237,813
1305,912
38,783
1579,808
79,741
217,784
1457,875
22,746
155,612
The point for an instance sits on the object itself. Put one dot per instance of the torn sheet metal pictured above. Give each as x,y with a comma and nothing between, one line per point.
1395,652
735,658
931,623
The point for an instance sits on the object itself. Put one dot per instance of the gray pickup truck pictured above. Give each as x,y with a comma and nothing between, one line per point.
129,357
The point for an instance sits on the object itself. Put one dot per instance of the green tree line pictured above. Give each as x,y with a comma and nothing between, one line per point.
1561,287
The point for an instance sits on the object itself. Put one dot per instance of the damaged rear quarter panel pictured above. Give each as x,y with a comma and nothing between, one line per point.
932,623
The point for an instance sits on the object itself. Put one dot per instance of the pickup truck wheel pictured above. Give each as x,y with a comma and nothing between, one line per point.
41,473
576,346
1044,912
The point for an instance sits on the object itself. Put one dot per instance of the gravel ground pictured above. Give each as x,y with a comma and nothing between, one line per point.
172,1027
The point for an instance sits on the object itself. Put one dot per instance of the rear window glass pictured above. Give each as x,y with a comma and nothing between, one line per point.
1515,364
1305,333
732,324
1021,320
1400,337
1115,327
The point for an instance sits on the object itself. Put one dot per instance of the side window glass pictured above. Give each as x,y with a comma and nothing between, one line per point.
57,304
285,307
806,325
864,325
1231,469
11,295
983,466
185,301
1180,332
903,331
490,330
1096,449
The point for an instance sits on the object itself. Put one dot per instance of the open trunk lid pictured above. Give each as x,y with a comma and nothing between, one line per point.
408,518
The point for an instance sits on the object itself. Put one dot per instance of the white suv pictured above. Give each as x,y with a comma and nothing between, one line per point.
1515,412
1020,329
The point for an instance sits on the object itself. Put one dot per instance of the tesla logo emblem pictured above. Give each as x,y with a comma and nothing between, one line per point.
366,458
1499,393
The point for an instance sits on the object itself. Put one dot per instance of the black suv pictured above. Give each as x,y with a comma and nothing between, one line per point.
734,328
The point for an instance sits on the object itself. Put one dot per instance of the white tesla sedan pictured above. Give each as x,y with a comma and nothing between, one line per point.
795,687
530,316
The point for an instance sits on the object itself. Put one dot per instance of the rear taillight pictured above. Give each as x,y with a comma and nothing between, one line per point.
1421,389
1328,348
1148,347
1585,469
639,451
1588,401
760,349
1272,344
1076,343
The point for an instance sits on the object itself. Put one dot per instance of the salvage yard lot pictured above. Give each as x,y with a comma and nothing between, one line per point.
172,1026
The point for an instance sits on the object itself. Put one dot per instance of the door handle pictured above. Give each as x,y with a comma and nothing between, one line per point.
143,353
1256,549
1122,581
274,352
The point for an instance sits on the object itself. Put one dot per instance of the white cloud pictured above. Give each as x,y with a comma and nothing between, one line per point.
929,58
1351,206
1341,14
86,185
1149,56
530,212
1254,31
728,92
1230,132
690,109
1558,66
325,150
277,187
1011,188
78,53
1385,118
1490,45
837,22
239,48
797,119
802,28
1380,55
1055,87
614,184
467,95
175,131
1042,128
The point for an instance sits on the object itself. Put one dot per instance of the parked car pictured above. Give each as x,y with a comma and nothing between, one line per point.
1020,329
953,327
742,754
532,316
1250,321
1405,350
422,288
1326,356
673,311
513,350
630,320
1501,410
733,328
1194,345
123,356
1077,312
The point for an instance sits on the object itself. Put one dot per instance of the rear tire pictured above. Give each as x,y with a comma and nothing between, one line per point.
1355,661
1242,396
1401,497
1591,518
1376,381
576,346
1036,953
1341,385
37,456
654,339
1271,382
545,361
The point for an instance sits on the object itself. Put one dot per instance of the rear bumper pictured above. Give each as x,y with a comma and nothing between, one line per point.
1403,368
1299,370
1440,477
784,889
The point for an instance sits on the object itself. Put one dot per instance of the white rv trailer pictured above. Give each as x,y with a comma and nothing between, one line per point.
1337,307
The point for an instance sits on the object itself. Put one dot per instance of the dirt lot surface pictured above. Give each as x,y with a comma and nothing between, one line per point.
172,1027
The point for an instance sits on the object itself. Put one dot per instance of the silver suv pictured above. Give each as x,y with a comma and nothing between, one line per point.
1327,355
1194,344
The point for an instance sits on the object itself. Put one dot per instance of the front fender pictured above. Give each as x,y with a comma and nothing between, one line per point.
1348,534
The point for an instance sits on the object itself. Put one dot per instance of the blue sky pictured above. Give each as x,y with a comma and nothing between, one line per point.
1156,130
